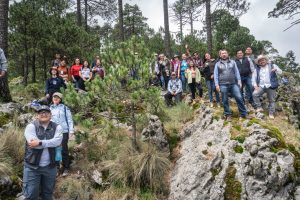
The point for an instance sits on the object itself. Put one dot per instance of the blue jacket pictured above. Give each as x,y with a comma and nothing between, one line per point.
61,115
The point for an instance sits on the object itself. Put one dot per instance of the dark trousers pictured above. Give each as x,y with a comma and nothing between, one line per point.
247,84
65,151
169,96
193,86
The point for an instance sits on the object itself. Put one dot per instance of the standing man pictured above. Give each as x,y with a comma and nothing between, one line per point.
265,81
249,54
42,136
228,80
246,68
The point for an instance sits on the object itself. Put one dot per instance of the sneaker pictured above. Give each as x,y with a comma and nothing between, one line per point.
211,105
259,110
218,105
66,173
244,117
271,116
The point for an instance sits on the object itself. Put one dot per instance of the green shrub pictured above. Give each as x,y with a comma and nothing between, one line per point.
238,149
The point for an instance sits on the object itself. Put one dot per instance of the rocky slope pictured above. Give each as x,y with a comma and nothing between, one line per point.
211,166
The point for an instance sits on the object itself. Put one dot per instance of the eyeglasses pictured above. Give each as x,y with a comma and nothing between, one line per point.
43,113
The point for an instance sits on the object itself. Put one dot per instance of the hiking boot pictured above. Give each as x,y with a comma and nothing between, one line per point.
211,105
271,116
66,173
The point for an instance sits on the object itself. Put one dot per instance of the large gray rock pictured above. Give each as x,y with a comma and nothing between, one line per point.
155,134
24,119
10,108
207,152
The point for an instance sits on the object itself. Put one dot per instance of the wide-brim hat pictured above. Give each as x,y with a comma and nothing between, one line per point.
58,94
260,57
176,56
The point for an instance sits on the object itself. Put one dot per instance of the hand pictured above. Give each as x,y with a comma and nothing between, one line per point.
240,85
256,87
212,76
47,95
273,70
218,88
186,46
34,143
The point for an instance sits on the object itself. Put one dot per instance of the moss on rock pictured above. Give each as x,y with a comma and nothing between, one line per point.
233,187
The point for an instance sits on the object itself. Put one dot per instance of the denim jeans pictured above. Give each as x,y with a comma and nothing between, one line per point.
271,94
183,81
162,82
236,93
35,179
212,88
247,84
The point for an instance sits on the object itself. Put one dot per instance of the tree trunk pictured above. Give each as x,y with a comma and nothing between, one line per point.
121,20
167,29
78,13
45,66
25,78
33,69
86,15
208,26
133,123
4,88
181,27
191,7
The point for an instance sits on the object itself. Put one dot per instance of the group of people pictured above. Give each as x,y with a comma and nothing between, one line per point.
79,73
245,79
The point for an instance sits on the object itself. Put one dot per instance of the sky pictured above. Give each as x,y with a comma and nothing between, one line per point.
256,19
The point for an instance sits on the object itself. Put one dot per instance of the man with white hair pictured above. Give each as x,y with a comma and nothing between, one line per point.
265,80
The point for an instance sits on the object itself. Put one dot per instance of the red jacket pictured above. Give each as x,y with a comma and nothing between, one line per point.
75,70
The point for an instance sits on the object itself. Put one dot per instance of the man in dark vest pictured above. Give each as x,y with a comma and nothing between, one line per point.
42,136
227,80
246,68
265,80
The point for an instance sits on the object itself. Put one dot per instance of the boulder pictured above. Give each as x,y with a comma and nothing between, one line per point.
10,108
155,134
24,119
209,158
97,177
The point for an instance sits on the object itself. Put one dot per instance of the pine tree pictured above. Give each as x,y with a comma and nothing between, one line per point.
4,88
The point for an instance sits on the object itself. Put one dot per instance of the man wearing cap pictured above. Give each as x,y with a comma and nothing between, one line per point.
61,115
42,137
227,80
265,80
174,89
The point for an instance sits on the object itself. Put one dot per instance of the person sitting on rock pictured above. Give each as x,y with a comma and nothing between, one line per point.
265,80
228,80
174,89
53,84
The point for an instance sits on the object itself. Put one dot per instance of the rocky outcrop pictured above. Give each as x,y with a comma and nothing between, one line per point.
155,134
10,108
212,166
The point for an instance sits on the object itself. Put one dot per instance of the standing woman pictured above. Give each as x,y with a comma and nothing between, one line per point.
181,71
85,74
61,115
193,77
75,73
209,67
